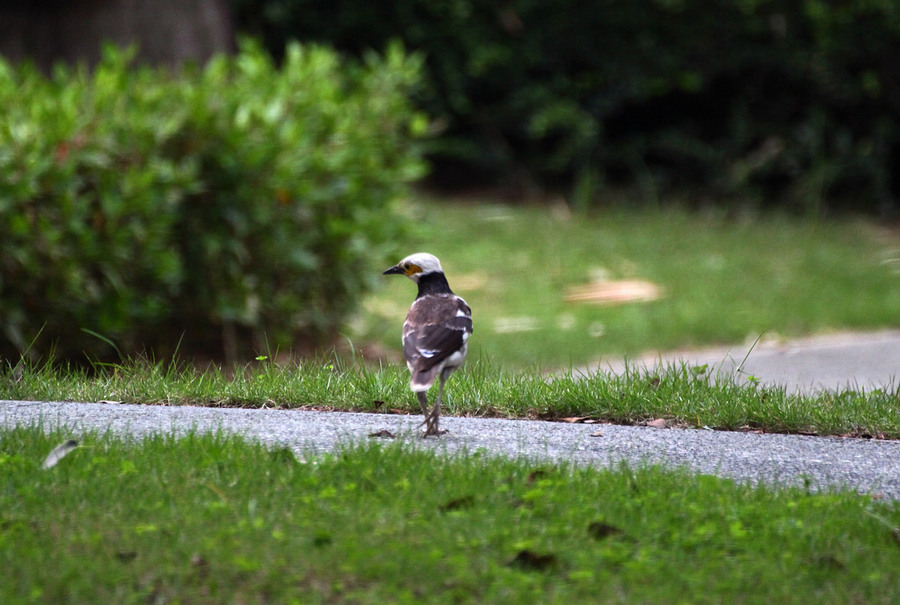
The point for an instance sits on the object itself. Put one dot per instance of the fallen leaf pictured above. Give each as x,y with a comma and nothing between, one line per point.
383,434
200,565
659,423
377,403
575,419
614,292
831,562
597,434
599,530
457,504
536,474
322,539
533,561
58,453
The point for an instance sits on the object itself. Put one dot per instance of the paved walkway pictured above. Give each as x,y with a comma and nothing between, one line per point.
855,360
866,465
858,360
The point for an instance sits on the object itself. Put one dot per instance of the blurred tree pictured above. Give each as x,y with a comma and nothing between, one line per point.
167,32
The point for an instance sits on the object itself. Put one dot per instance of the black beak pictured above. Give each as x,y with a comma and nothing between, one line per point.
395,270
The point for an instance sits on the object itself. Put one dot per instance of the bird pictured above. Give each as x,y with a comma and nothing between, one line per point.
435,334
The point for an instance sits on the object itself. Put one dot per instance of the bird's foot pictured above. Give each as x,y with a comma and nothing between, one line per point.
434,433
431,427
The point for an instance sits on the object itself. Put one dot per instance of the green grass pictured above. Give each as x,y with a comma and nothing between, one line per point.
725,280
210,519
685,395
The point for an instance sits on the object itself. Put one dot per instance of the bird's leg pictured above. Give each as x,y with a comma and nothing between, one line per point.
423,403
432,418
430,421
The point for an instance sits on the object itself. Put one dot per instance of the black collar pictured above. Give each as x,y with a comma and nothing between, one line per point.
433,283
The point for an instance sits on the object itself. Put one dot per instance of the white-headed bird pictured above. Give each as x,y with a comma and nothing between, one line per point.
435,333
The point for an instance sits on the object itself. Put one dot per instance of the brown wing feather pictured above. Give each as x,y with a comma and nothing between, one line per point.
434,330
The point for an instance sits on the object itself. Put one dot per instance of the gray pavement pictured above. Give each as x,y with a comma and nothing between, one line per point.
859,360
825,462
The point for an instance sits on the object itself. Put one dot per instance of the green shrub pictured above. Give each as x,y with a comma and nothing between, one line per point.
753,99
241,205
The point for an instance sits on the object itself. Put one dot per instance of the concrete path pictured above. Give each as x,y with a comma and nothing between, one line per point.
859,360
824,462
838,361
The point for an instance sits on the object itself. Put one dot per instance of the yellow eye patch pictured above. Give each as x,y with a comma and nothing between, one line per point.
412,269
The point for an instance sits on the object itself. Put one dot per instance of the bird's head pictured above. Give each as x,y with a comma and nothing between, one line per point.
416,265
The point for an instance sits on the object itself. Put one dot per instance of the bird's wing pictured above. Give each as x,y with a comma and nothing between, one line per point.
435,330
429,345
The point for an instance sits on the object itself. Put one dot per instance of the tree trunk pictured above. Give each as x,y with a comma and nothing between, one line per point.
167,32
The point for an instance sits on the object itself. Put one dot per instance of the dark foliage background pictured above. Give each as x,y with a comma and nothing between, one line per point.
791,102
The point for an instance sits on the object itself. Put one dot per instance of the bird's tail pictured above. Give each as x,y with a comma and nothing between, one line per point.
422,381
